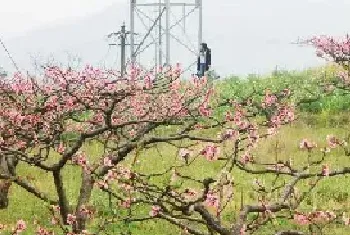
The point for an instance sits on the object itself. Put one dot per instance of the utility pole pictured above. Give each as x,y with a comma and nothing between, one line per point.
122,44
122,34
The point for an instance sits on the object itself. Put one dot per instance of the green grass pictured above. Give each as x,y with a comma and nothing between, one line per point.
330,194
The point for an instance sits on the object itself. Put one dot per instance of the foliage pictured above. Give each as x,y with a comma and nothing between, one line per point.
305,82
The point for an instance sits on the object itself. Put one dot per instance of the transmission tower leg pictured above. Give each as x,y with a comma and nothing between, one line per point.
160,53
132,31
156,55
167,28
200,26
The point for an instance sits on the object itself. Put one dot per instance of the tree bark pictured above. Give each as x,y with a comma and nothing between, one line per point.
7,167
62,198
84,198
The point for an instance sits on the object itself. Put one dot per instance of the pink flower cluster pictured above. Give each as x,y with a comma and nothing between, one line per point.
269,99
336,49
42,231
80,159
330,46
246,158
346,220
212,200
87,212
333,142
238,118
21,226
325,170
114,175
190,194
155,211
71,219
67,91
306,144
211,152
314,217
229,134
205,110
283,114
126,203
107,161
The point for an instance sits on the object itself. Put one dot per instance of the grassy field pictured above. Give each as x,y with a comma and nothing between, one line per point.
330,194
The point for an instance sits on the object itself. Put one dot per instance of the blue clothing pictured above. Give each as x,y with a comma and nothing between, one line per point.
207,60
201,69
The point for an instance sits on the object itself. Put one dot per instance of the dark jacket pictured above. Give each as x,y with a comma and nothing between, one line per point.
208,60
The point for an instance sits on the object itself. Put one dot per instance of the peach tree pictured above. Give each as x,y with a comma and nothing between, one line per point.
175,128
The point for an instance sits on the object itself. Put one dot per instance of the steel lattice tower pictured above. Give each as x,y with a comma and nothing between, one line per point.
161,26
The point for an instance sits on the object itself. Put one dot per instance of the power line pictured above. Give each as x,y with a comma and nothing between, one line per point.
170,34
184,29
9,55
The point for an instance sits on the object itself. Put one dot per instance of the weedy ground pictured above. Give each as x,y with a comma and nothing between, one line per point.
331,193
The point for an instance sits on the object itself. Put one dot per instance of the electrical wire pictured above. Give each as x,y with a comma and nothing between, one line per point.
149,31
188,67
9,55
143,22
103,60
184,32
172,26
117,58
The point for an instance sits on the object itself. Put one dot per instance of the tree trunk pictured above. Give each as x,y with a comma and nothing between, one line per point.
7,167
84,198
62,198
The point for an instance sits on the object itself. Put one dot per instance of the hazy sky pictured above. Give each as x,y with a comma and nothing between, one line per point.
20,16
246,36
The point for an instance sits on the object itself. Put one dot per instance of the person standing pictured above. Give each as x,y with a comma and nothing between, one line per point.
204,60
